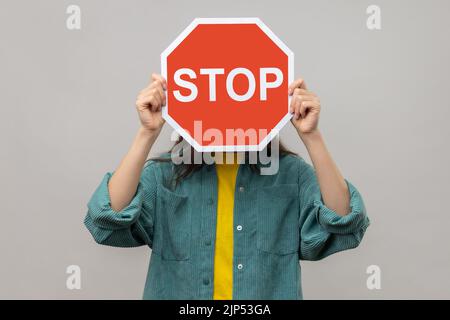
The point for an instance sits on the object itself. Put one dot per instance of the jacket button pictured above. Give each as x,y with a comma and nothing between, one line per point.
240,266
205,281
241,189
239,228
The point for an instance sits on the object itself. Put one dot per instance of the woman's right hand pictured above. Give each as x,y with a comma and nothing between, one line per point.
149,104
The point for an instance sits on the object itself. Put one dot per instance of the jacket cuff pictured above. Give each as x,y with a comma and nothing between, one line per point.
353,222
103,216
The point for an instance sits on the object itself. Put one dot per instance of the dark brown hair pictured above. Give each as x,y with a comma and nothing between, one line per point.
182,171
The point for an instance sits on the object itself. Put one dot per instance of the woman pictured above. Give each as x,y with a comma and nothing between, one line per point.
224,231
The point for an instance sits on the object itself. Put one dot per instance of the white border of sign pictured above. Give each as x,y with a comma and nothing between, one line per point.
225,148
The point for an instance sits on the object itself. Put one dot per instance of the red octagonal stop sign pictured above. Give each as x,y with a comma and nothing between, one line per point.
227,84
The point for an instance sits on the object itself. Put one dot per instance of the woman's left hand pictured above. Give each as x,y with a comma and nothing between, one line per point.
305,106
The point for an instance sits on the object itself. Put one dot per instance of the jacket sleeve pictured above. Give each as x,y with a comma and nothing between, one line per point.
133,225
322,231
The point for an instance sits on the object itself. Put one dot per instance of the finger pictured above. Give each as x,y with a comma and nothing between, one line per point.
299,83
151,101
156,102
298,91
158,77
159,91
295,104
292,105
152,95
297,113
303,108
297,100
151,90
156,83
304,97
307,106
145,91
155,90
158,86
158,107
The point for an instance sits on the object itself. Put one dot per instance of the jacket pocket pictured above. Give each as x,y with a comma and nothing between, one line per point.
174,225
277,220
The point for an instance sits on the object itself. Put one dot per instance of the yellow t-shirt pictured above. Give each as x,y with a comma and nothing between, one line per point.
223,257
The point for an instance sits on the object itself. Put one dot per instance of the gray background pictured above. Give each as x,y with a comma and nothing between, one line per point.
67,116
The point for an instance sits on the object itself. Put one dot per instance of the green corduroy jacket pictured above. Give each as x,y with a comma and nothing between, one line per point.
278,220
